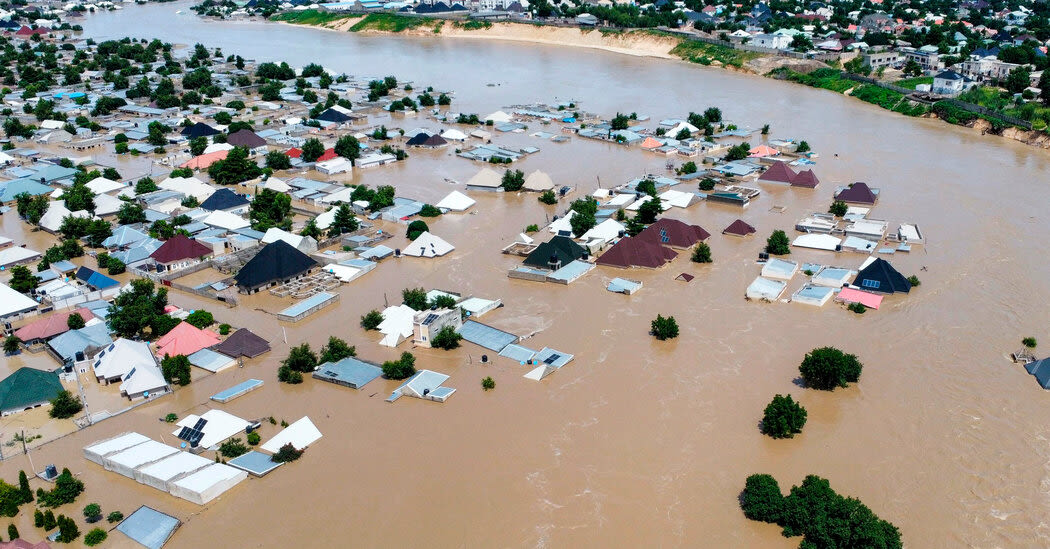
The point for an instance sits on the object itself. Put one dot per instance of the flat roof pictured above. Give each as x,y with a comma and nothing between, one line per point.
210,360
350,371
307,304
208,477
117,443
518,352
175,465
572,271
237,390
149,527
256,463
486,336
140,454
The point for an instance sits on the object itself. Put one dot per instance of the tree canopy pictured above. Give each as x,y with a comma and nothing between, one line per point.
271,209
235,168
827,368
783,417
138,313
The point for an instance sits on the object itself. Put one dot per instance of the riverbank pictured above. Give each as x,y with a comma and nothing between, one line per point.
651,43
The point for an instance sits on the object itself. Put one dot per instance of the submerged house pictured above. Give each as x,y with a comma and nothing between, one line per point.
674,233
858,193
179,252
27,388
427,324
555,253
739,228
779,173
881,277
636,252
278,262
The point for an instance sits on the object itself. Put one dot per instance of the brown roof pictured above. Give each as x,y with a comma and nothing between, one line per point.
739,228
635,252
858,193
778,172
180,247
675,233
806,179
243,342
245,138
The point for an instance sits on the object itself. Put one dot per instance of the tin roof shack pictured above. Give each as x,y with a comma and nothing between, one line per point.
427,324
276,263
881,277
27,388
349,372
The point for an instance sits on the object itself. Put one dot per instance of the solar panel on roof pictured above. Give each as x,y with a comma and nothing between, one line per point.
551,359
200,424
430,318
184,434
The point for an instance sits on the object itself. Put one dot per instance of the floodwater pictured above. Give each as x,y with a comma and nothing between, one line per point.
639,442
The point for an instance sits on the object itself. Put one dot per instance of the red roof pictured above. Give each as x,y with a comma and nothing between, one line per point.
858,193
779,172
806,179
23,544
634,252
294,152
739,228
328,155
185,339
27,31
672,232
51,326
180,247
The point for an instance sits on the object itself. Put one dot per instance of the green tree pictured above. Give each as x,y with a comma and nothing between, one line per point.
22,279
1044,87
135,313
401,368
66,489
1029,342
114,516
800,42
254,438
827,368
23,487
513,180
79,197
548,197
115,266
95,537
442,301
197,145
312,150
738,152
649,210
200,319
803,147
646,186
335,350
416,228
75,321
344,221
488,383
10,499
911,68
1019,79
233,448
130,213
348,147
176,369
12,532
664,328
11,344
429,211
235,168
762,499
32,208
98,230
838,208
311,230
688,168
620,122
277,160
301,359
286,453
778,243
50,523
702,253
93,512
371,320
783,417
270,209
447,338
415,298
65,405
147,185
712,115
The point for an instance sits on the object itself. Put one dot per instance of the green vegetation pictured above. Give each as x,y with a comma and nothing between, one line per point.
115,516
513,180
65,405
472,24
371,320
548,197
95,537
335,350
702,253
488,383
309,17
75,321
838,208
11,344
835,80
447,338
201,319
389,22
827,368
416,228
286,453
429,211
415,298
664,328
704,53
914,281
271,209
858,308
224,329
176,369
233,448
23,280
171,418
778,243
66,489
825,519
139,312
911,83
532,228
402,368
67,529
1029,342
583,219
300,360
93,512
783,417
254,438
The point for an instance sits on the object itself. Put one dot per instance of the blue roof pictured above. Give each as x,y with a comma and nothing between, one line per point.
306,304
95,279
349,371
620,285
52,172
11,189
572,271
68,344
552,357
149,527
486,336
209,360
124,235
517,352
256,463
236,390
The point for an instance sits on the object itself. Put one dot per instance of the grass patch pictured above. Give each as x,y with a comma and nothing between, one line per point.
309,17
704,53
911,83
472,24
389,22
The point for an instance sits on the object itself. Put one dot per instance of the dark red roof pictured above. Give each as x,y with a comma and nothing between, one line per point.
294,152
779,172
634,252
858,193
739,228
806,179
26,31
180,247
672,232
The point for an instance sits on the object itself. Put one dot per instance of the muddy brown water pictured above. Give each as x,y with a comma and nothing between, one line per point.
639,442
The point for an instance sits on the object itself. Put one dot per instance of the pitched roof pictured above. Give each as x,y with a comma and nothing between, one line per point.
180,247
205,161
245,138
243,342
200,129
739,228
779,172
223,199
26,387
332,115
185,339
881,277
672,232
635,252
418,139
95,279
806,178
50,326
858,193
562,247
277,260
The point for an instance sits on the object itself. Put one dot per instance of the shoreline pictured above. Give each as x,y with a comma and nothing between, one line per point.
635,43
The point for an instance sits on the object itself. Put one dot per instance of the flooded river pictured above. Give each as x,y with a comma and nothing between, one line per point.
639,442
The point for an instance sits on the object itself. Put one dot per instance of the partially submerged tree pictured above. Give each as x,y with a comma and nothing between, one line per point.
371,320
447,338
783,417
402,368
778,243
827,368
664,327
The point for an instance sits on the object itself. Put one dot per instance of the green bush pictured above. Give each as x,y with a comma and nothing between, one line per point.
254,438
286,453
762,499
65,490
858,308
416,228
65,405
93,512
429,211
783,417
115,516
548,197
201,319
914,281
224,329
1029,342
371,320
664,328
838,208
702,253
778,243
233,448
447,338
95,537
488,383
827,368
401,368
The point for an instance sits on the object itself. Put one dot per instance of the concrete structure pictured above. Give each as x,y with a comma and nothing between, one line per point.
207,483
427,324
